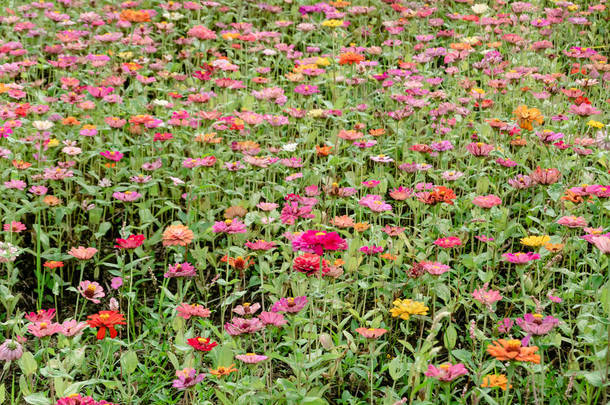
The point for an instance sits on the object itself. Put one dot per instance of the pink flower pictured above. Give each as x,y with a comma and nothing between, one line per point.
371,250
201,32
272,318
239,326
116,283
487,201
260,245
572,221
602,243
188,310
72,327
181,270
292,211
291,305
449,242
44,328
187,378
91,291
479,148
112,155
229,226
375,203
251,358
435,268
401,193
246,309
318,242
266,206
536,324
10,350
520,257
42,315
486,296
584,110
126,196
446,372
371,333
14,226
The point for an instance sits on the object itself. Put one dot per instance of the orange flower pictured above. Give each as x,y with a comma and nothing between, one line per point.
361,226
239,263
52,264
349,58
518,141
554,247
323,150
377,132
527,116
572,197
70,121
177,235
134,15
495,380
20,164
388,256
220,371
512,350
51,200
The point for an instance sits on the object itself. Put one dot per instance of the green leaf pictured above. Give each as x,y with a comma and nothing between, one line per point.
594,378
104,227
313,401
450,337
2,393
28,364
397,368
129,362
37,398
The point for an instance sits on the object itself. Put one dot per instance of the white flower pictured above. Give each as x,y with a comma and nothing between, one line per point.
160,103
479,8
290,147
42,125
105,182
176,181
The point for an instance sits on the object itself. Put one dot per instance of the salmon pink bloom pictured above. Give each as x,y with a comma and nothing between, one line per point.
181,270
177,235
572,221
186,311
42,315
251,358
435,268
602,243
309,263
82,253
487,201
44,328
486,296
239,326
371,333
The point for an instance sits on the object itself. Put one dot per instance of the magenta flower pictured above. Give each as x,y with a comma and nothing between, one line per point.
318,242
446,372
116,283
449,242
371,250
187,378
115,156
306,89
291,305
229,226
520,257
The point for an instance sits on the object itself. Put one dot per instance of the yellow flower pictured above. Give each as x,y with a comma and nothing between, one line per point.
322,62
405,308
333,23
53,142
535,241
595,124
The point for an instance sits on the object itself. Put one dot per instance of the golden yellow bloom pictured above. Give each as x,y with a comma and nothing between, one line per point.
322,62
527,116
535,241
53,142
405,308
595,124
333,23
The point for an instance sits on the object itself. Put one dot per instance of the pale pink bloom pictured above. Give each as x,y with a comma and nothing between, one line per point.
41,315
91,291
72,327
272,318
247,309
486,296
10,350
435,268
602,243
82,253
181,270
251,358
239,326
520,257
289,304
572,221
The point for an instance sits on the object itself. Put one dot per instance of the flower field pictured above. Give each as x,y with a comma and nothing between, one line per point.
304,203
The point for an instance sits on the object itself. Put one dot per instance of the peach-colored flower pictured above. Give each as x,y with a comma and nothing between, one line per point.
177,235
82,253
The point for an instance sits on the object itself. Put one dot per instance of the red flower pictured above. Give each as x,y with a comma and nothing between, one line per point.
132,242
106,319
202,344
309,264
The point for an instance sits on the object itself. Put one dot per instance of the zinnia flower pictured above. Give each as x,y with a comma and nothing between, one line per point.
187,378
91,291
177,235
132,242
371,333
188,310
405,308
10,350
289,304
487,201
504,350
495,380
446,372
201,344
106,320
251,358
520,257
318,242
82,253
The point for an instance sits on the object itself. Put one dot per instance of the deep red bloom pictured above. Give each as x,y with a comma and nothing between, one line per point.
132,242
201,344
309,264
106,319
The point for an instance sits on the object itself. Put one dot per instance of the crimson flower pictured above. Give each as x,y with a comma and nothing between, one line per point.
106,320
132,242
201,344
